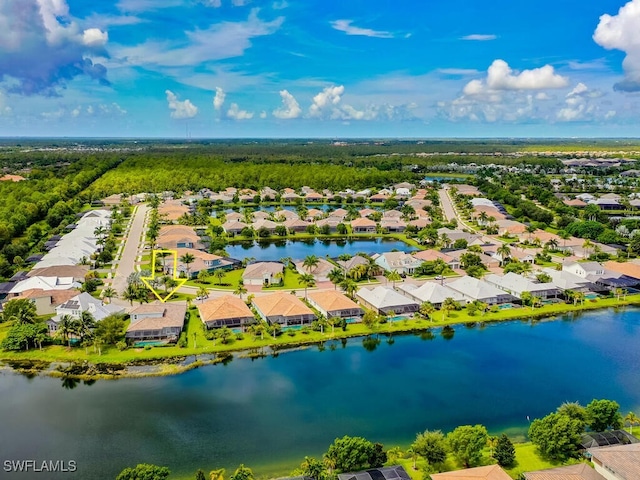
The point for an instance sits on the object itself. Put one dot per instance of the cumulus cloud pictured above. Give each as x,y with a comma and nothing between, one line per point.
622,32
180,109
263,114
43,47
579,105
500,76
218,99
479,37
4,108
235,113
346,27
290,107
326,100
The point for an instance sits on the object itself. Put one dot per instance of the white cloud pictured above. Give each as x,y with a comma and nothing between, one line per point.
43,46
240,3
622,32
94,37
280,5
4,108
327,99
579,105
146,5
263,114
219,41
212,3
290,107
235,113
479,37
501,77
346,27
184,109
218,99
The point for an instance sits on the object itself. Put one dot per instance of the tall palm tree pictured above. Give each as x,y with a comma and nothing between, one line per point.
202,293
632,419
130,293
426,309
310,262
306,280
335,276
86,324
203,275
504,251
219,274
333,321
393,276
65,328
109,293
448,305
349,287
240,289
188,259
587,245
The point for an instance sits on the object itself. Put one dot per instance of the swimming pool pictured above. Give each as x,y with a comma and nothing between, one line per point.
149,343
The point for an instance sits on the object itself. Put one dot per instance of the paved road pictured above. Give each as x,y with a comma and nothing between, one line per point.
126,266
447,205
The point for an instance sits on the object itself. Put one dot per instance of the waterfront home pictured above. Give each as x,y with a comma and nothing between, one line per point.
263,273
268,193
476,289
331,222
296,225
353,262
393,224
157,321
565,280
314,214
363,225
234,227
517,284
203,261
488,472
268,225
379,198
432,255
225,311
366,212
420,223
385,300
235,217
260,215
312,196
46,301
620,462
430,292
283,308
630,268
320,271
77,305
284,215
340,213
172,237
335,304
580,471
401,262
600,276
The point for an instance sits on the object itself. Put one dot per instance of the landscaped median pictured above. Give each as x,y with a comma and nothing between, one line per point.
201,351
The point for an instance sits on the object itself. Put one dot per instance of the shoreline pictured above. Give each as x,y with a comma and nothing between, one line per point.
152,363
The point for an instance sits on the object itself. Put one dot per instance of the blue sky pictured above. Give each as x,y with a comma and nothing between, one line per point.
304,68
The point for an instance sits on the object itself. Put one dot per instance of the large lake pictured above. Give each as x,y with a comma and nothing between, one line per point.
271,412
299,249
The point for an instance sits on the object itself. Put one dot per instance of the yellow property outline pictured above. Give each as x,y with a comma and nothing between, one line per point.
180,281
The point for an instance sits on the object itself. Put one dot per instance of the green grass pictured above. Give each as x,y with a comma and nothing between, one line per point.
527,460
228,282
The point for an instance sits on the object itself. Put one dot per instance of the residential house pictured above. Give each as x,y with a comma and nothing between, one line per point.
363,225
395,472
393,224
331,222
313,197
353,262
157,321
401,262
172,210
260,215
516,285
172,237
576,202
476,289
430,292
379,198
225,311
620,462
510,227
366,212
385,300
454,235
235,217
320,272
468,190
607,204
203,261
565,280
630,268
580,471
314,214
76,306
234,227
283,308
263,273
296,225
432,255
488,472
269,225
77,272
420,223
340,213
285,215
335,304
43,283
600,276
46,301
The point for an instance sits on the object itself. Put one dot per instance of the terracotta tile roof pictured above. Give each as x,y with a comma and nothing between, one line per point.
164,315
281,304
581,471
627,268
330,300
257,270
624,460
58,297
224,307
363,222
431,255
490,472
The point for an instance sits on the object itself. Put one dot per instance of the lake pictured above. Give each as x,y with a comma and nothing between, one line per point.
271,412
299,249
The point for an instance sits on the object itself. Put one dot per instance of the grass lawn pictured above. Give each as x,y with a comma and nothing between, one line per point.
228,282
527,460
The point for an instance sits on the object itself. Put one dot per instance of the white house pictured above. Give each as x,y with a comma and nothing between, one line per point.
385,300
79,304
517,284
430,292
476,289
401,262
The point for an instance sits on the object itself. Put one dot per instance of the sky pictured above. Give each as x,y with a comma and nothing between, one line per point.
305,68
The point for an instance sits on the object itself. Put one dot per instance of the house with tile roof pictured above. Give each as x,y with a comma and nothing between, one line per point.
283,308
620,462
580,471
488,472
401,262
225,311
263,273
332,303
516,285
157,321
76,306
363,225
320,272
385,300
432,292
476,289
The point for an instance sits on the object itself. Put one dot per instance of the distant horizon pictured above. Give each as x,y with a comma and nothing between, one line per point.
220,69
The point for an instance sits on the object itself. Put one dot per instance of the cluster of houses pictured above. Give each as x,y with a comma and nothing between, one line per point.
54,281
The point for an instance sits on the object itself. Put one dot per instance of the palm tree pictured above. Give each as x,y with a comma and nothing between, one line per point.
504,251
66,328
240,289
310,262
109,293
333,321
187,259
86,324
530,229
448,305
219,274
306,280
164,254
426,309
349,287
535,301
393,276
444,240
203,275
169,283
587,245
552,244
483,217
335,276
130,293
632,419
579,297
202,293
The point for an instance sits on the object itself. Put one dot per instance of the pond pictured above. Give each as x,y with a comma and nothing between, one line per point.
299,249
271,412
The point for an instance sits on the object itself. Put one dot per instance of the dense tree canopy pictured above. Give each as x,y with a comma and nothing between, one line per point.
350,454
144,471
466,443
